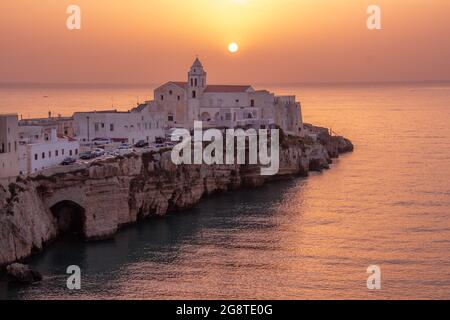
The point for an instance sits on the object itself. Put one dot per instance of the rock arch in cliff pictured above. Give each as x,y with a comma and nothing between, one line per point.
71,217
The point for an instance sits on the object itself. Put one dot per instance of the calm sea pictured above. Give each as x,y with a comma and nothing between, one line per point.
386,204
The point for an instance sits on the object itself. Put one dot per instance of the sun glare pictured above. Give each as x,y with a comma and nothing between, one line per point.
233,47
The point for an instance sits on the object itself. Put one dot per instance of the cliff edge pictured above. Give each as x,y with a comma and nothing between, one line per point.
98,198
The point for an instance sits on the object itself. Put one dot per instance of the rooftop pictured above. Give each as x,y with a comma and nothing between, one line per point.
227,88
102,111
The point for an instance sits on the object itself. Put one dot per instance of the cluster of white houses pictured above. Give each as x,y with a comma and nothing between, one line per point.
28,146
26,149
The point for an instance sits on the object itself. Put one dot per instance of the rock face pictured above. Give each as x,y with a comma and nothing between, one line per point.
97,199
334,145
20,273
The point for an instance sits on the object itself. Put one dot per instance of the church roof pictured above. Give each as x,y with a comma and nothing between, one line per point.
226,88
140,107
180,84
213,88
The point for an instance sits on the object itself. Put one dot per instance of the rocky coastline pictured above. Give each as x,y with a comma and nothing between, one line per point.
101,197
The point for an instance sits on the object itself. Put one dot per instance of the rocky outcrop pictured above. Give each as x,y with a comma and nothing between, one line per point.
334,145
21,273
104,195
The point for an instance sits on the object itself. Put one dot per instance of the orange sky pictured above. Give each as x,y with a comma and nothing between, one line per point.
288,41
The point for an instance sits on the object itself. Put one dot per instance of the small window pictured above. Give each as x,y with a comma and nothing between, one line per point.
43,155
56,153
111,127
49,154
162,97
76,151
62,152
194,94
179,98
35,156
170,92
170,118
70,152
252,103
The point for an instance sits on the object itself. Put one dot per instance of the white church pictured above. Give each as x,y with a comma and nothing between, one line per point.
224,106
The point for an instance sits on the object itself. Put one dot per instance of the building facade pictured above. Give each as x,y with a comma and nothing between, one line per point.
41,148
131,126
228,106
64,125
9,168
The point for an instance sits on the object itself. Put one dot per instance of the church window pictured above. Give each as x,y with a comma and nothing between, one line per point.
170,92
252,103
194,94
195,82
162,97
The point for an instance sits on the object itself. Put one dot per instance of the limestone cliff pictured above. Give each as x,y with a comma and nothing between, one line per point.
105,195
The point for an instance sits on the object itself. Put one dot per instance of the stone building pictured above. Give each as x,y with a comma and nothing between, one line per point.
9,168
225,105
64,125
140,123
42,147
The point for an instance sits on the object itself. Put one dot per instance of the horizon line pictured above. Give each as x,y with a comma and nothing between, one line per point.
284,84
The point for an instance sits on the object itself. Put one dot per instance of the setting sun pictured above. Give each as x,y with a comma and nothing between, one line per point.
233,47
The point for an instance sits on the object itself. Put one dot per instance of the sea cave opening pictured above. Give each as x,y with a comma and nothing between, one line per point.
71,218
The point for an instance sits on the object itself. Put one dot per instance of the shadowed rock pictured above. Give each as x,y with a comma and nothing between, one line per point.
21,273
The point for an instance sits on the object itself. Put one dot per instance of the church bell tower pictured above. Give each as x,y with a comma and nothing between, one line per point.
195,87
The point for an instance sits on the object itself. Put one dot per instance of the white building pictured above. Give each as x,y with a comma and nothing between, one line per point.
225,105
9,168
132,126
63,125
41,148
